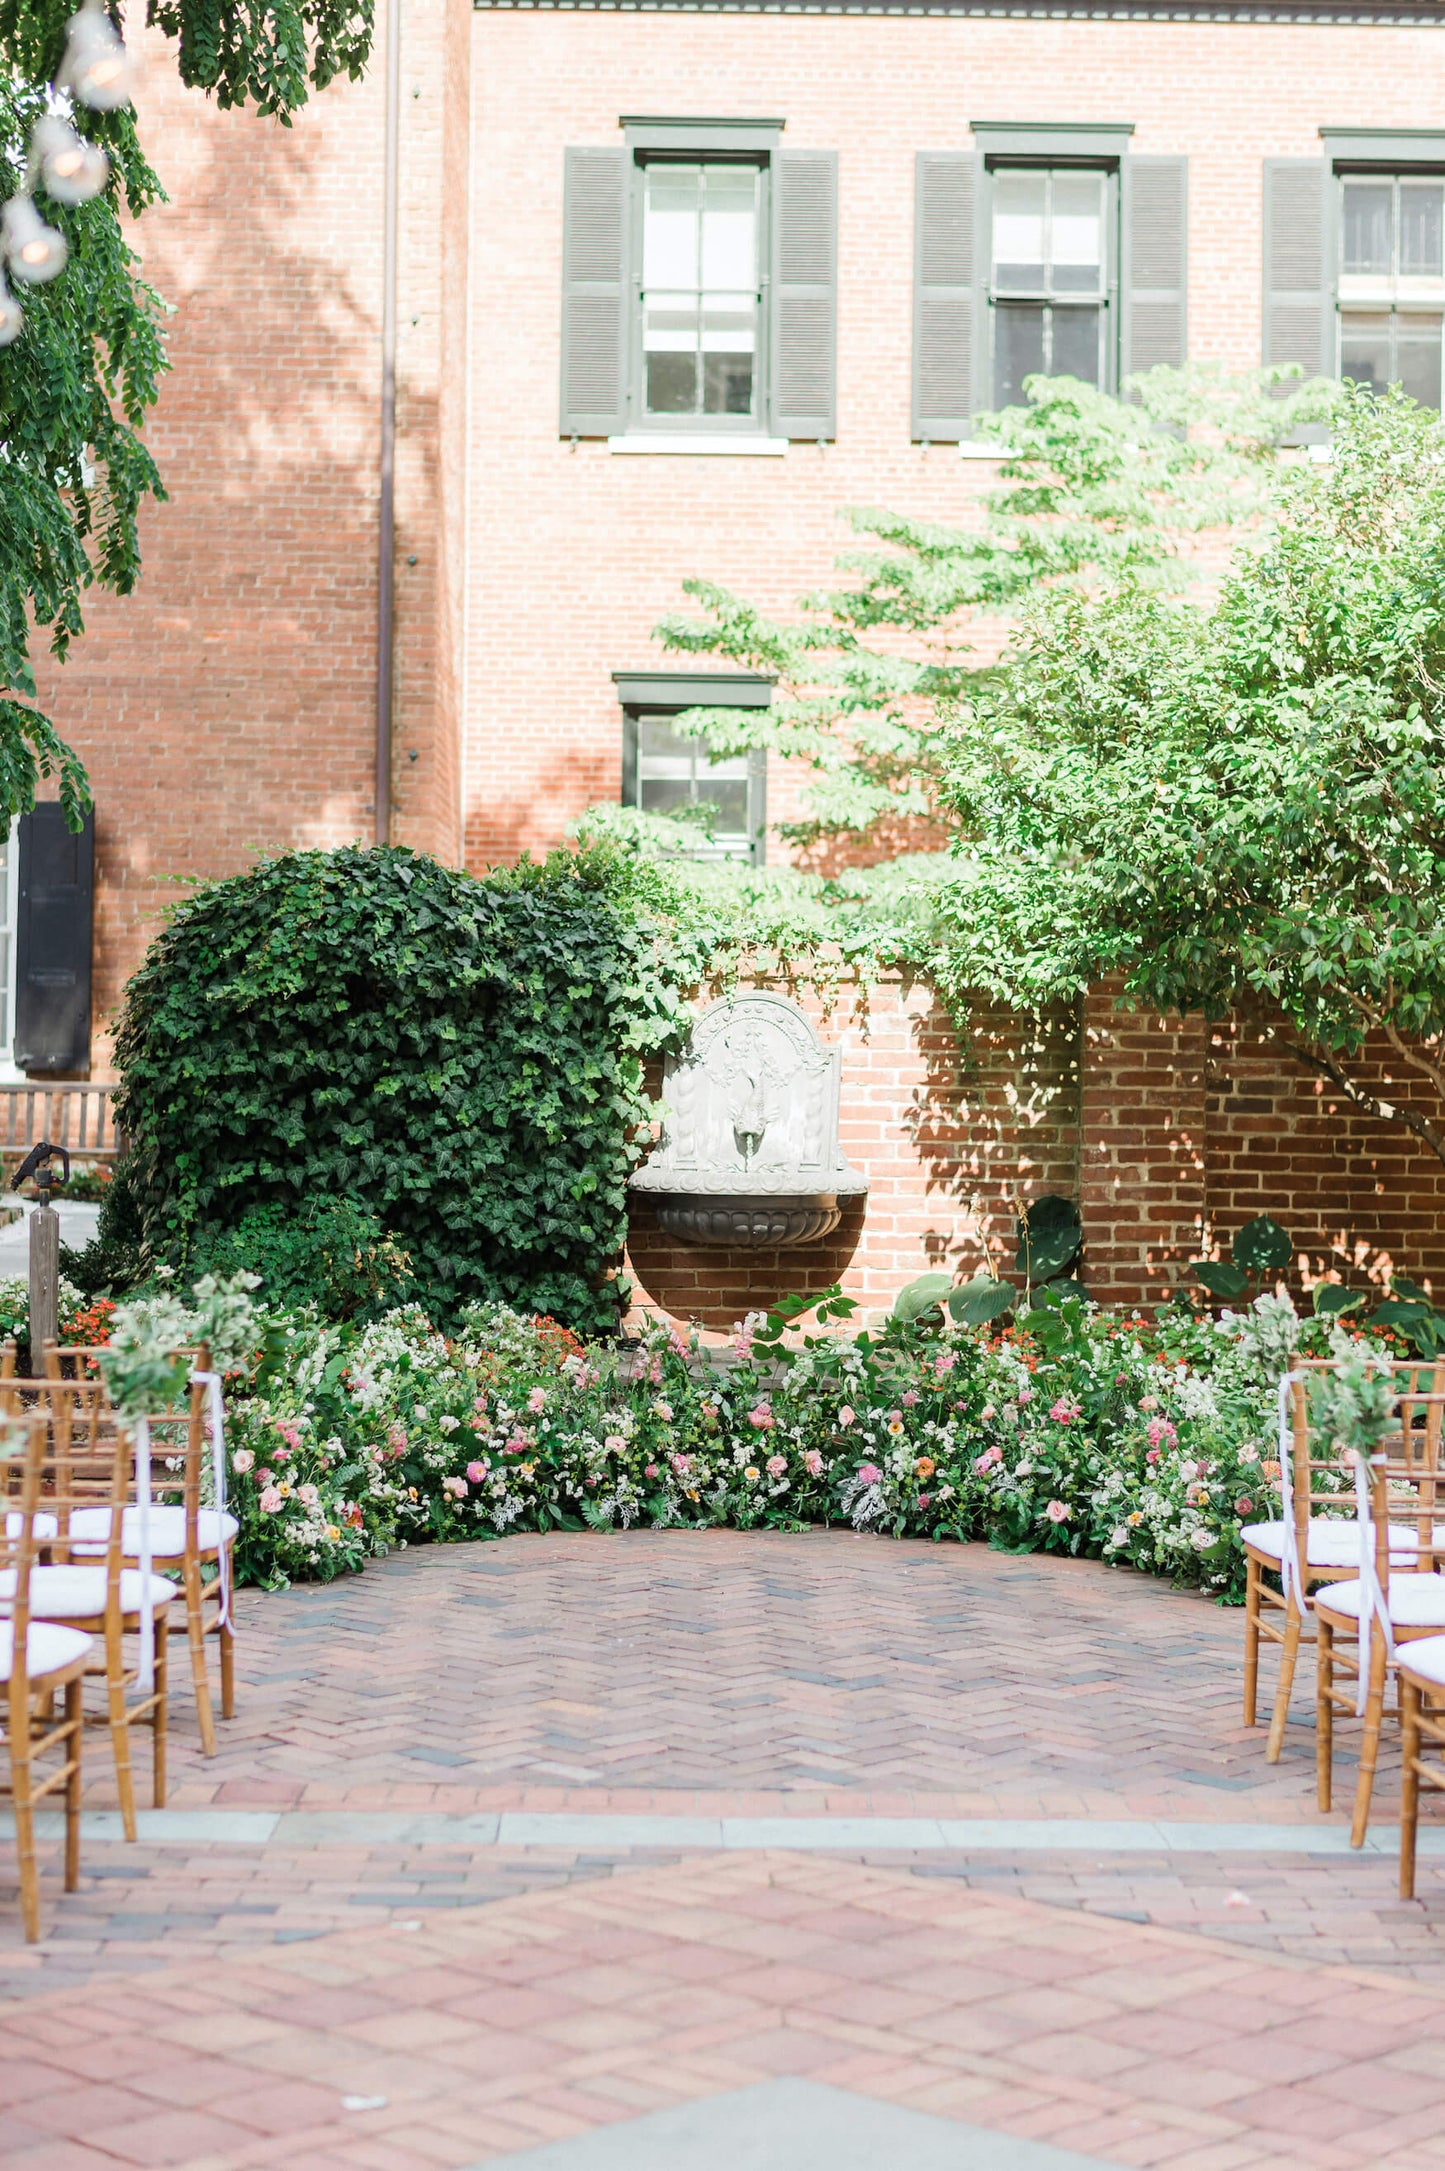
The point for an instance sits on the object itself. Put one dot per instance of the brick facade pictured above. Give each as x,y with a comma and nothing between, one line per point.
229,706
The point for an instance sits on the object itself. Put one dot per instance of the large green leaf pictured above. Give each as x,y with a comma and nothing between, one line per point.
920,1296
1048,1237
980,1300
1331,1299
1262,1246
1221,1279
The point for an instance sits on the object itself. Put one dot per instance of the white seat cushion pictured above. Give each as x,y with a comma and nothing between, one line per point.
1426,1657
71,1593
1415,1601
48,1649
45,1525
1334,1544
168,1530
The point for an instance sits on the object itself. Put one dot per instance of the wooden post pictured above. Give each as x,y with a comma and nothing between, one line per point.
44,1281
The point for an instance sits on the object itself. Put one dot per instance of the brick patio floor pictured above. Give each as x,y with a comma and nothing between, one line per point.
285,1937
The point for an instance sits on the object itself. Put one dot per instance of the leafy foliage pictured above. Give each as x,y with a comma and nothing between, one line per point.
461,1059
77,385
329,1252
1242,808
1092,489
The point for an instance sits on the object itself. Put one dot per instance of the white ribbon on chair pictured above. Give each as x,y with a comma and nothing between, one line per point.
1291,1567
1374,1606
146,1668
216,1425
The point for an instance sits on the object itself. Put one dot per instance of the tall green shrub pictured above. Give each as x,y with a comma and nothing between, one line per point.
462,1058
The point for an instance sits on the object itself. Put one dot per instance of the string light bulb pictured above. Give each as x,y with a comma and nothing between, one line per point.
72,170
35,251
97,68
12,316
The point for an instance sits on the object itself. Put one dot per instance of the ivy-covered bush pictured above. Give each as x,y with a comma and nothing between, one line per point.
459,1058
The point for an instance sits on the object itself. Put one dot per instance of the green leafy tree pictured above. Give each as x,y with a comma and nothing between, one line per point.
1240,808
78,381
1093,492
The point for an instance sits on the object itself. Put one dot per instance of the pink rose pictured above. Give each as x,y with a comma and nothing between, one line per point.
777,1464
1064,1412
1242,1507
476,1471
682,1464
1025,1394
456,1486
813,1463
1057,1512
987,1459
537,1401
845,1417
279,1454
651,1470
924,1499
761,1419
272,1502
1161,1430
909,1399
242,1460
943,1365
869,1474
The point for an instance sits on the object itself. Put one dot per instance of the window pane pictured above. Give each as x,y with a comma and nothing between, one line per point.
1076,230
1075,344
1018,350
1019,202
656,738
1417,357
728,800
671,210
1365,347
727,384
729,227
1420,228
671,383
1369,227
664,795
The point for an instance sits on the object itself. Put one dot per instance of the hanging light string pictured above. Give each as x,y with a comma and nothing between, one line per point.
96,71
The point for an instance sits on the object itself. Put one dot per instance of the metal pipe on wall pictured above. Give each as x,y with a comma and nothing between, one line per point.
386,552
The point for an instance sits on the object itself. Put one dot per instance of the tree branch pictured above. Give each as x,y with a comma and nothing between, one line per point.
1386,1111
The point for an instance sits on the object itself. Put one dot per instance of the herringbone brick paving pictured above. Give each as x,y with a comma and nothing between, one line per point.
733,1674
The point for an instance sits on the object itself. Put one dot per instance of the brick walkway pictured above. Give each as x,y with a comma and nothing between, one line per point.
1193,2005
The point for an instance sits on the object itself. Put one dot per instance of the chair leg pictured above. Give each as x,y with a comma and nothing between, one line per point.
75,1736
20,1738
1251,1640
1409,1785
160,1717
196,1632
1370,1746
120,1745
1324,1711
1284,1687
226,1638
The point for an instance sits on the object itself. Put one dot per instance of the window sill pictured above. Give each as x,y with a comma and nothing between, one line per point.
753,448
979,448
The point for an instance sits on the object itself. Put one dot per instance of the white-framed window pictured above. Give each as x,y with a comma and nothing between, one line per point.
1391,283
1052,258
700,323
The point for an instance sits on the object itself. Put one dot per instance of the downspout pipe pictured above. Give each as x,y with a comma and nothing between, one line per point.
386,550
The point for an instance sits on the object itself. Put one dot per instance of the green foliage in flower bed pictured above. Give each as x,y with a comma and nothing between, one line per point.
1077,1432
461,1060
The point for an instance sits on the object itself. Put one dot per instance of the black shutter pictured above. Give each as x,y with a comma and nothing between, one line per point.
594,293
1153,290
1299,301
804,314
52,942
949,354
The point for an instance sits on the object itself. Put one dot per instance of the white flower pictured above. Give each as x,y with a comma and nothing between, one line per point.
448,1423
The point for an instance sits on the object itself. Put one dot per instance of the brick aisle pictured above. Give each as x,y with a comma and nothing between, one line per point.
818,1675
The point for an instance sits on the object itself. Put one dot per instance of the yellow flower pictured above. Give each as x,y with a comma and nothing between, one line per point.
752,1475
1135,1520
332,1532
527,1469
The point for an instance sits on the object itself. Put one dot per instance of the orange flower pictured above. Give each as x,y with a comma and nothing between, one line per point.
925,1466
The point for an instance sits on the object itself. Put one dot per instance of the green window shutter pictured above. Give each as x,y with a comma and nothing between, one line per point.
1299,301
594,293
1153,288
803,314
950,343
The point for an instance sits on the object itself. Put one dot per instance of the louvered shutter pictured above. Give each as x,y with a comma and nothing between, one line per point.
949,355
803,326
53,942
1299,302
594,294
1153,287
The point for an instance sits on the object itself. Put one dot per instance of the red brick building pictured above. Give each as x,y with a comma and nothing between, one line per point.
672,287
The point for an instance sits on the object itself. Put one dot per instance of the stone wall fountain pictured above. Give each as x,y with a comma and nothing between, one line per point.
749,1153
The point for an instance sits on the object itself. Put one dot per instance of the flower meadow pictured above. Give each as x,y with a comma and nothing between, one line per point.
1146,1443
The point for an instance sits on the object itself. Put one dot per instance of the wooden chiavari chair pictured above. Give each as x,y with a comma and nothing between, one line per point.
1326,1548
39,1661
1399,1597
1420,1670
84,1582
189,1538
